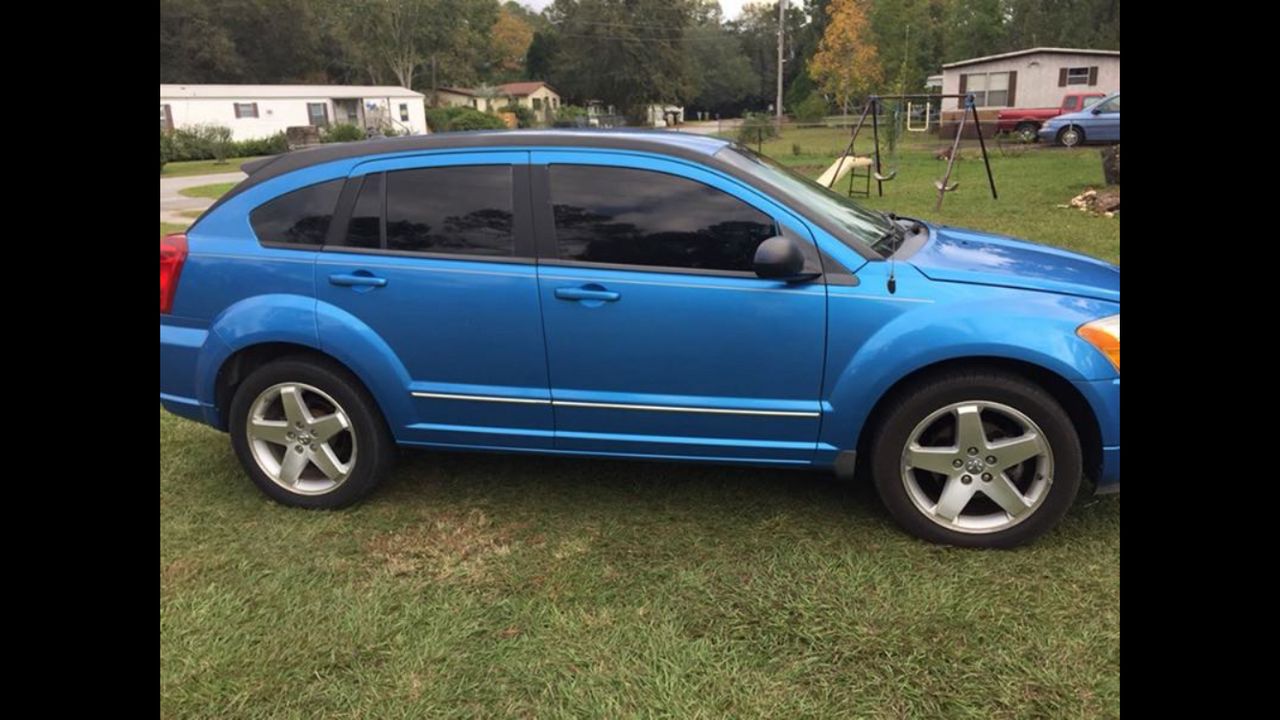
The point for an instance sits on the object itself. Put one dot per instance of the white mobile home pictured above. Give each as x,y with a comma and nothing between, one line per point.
257,111
1037,77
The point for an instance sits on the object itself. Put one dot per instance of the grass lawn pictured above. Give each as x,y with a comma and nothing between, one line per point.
511,586
214,191
167,228
203,167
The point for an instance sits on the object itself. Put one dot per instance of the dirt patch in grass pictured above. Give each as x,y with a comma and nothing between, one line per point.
448,546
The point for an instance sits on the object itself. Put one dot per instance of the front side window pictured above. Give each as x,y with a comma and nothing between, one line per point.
638,217
246,110
300,217
1110,106
460,210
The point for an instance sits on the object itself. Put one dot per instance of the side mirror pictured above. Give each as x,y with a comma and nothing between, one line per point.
779,258
1096,110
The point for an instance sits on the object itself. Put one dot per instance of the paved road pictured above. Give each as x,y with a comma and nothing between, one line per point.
172,203
710,127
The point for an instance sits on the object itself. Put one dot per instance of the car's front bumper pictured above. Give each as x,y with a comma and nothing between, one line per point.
1103,397
1048,133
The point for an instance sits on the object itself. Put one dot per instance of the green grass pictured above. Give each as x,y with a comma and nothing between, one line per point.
1029,184
513,586
213,191
203,167
167,228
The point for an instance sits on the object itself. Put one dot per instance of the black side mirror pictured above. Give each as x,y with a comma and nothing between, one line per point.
779,258
1096,110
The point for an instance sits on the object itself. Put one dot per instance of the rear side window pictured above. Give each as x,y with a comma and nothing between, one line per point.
300,217
458,210
639,217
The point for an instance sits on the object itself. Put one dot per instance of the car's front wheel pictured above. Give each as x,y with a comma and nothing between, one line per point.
977,459
1070,136
309,434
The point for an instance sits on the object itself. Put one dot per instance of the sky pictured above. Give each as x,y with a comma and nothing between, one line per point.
731,8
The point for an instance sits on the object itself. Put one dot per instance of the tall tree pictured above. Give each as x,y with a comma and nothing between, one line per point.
975,28
509,43
722,77
847,63
625,52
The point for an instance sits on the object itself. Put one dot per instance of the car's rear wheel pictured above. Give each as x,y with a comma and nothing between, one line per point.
977,459
1070,136
308,433
1026,132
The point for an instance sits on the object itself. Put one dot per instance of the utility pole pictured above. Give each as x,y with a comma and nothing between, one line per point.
777,107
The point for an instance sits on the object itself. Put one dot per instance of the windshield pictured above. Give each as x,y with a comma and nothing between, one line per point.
873,229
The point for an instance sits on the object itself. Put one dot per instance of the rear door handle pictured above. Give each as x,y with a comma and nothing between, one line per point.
359,278
587,292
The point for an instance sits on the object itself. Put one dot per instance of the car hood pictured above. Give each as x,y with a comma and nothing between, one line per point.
969,256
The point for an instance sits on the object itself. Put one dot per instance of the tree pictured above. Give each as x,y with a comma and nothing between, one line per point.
624,52
722,77
757,29
847,63
509,41
974,28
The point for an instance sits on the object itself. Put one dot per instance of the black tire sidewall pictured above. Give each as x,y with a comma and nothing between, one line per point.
375,448
916,403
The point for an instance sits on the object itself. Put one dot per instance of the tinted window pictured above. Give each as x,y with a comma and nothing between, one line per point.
300,217
638,217
365,230
462,210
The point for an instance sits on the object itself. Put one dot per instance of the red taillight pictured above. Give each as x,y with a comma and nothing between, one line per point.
173,252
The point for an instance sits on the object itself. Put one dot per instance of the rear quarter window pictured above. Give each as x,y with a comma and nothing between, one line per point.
300,217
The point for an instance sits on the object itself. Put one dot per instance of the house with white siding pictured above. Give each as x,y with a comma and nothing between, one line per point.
258,111
1037,77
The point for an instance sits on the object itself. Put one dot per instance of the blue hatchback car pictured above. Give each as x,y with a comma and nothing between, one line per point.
637,295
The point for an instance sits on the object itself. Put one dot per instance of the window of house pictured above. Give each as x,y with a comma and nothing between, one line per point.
989,89
537,103
639,217
318,114
463,210
166,118
404,112
1078,76
246,110
300,217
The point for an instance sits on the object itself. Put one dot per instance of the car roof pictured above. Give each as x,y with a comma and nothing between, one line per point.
662,141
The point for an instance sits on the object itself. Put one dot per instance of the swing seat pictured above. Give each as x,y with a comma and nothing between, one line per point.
886,178
938,184
840,168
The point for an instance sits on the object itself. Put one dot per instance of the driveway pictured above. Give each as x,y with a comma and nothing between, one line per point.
172,203
710,127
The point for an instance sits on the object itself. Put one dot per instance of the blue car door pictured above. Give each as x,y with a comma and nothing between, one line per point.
435,258
1104,122
661,341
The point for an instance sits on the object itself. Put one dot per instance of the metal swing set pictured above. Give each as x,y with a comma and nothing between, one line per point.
944,186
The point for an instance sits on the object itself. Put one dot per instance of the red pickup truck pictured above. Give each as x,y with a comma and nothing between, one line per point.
1025,122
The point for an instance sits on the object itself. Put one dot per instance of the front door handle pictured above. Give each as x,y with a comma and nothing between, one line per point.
359,278
587,292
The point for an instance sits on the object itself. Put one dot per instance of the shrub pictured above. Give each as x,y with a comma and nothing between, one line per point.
570,113
220,144
756,128
273,145
813,109
342,132
166,149
454,119
524,116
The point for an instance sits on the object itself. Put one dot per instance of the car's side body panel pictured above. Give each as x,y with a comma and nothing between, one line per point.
487,354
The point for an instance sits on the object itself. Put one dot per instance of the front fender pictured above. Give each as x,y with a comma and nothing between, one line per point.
873,346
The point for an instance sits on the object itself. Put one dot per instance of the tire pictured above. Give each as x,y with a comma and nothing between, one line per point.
346,449
919,431
1071,136
1027,132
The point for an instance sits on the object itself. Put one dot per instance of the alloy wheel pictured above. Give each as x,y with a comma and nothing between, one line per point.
301,438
